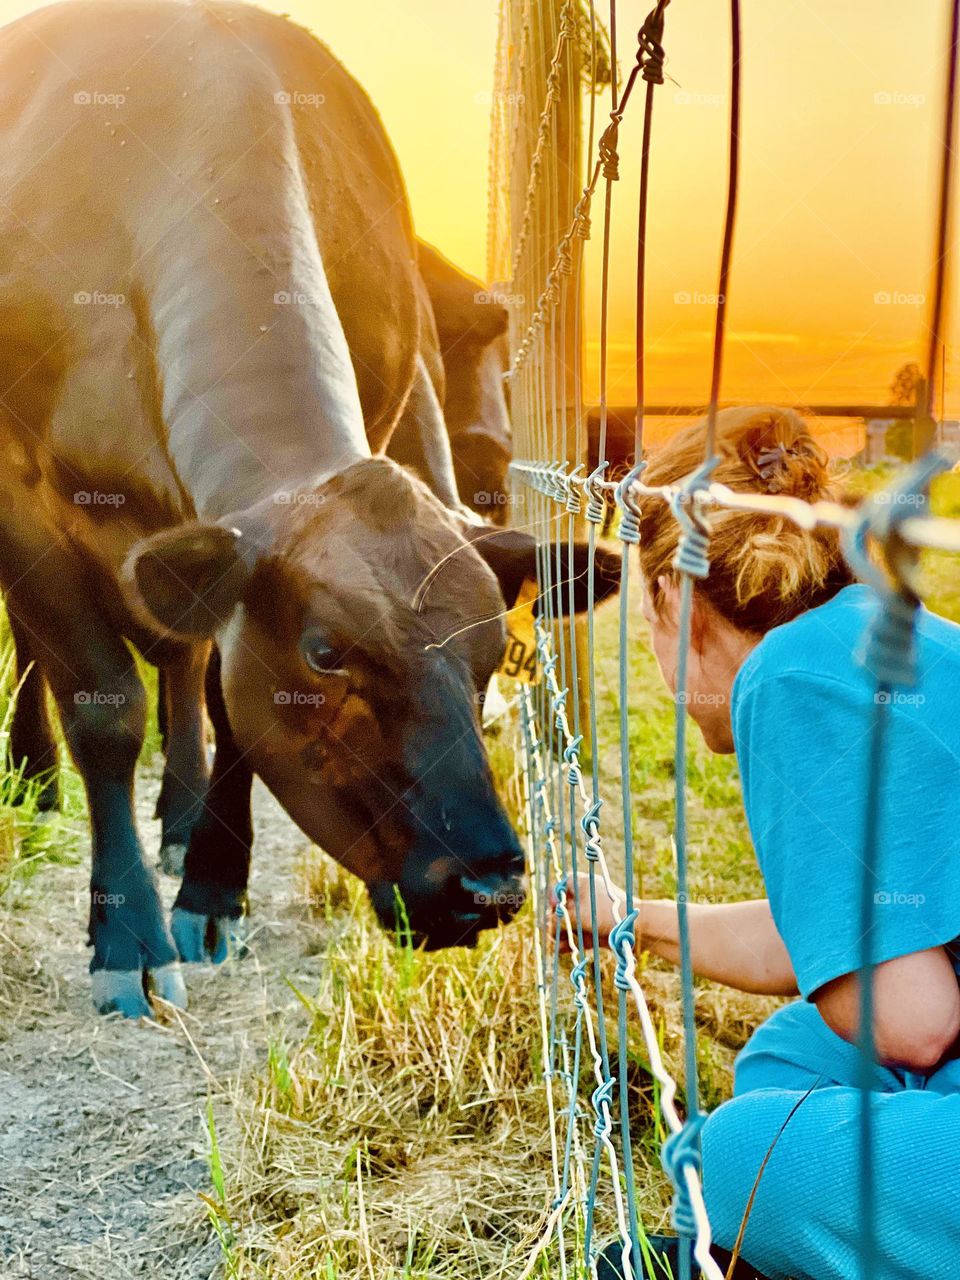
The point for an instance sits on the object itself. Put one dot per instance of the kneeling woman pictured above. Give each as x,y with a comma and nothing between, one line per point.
774,677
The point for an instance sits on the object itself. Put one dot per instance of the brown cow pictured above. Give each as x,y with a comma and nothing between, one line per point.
208,326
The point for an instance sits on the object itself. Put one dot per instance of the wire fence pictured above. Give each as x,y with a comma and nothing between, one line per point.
540,217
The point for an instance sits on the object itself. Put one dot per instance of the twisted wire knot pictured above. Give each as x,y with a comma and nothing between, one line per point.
609,156
693,553
571,758
564,258
622,940
601,1104
560,889
581,215
596,506
693,548
629,530
590,822
650,54
890,648
680,1152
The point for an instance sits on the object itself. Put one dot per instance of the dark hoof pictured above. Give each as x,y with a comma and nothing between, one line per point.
122,991
172,858
207,939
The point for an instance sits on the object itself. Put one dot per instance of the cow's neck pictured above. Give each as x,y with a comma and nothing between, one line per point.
259,395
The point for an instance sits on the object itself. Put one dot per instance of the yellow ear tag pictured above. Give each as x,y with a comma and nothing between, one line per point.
519,660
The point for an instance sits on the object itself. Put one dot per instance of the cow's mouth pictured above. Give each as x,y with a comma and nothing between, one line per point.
466,911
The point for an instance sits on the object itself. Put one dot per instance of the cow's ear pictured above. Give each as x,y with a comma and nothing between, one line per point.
187,581
512,555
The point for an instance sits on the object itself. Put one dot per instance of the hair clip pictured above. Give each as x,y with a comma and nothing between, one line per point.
770,462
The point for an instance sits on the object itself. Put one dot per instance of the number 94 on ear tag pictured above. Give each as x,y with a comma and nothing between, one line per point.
519,661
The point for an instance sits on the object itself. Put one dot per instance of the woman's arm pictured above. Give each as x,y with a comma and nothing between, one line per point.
735,943
916,1008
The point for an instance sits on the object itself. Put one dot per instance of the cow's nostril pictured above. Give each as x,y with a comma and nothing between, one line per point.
500,890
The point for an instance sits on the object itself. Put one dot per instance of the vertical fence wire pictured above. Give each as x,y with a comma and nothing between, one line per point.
542,237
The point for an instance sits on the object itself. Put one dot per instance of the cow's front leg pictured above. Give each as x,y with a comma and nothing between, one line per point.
185,772
103,709
213,896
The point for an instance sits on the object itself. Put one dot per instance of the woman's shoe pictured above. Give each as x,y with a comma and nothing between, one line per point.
665,1252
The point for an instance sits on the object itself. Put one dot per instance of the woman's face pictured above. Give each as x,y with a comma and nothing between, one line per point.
717,650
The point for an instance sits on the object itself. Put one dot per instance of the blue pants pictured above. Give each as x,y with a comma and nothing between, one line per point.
804,1221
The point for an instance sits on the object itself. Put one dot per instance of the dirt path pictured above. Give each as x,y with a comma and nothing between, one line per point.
103,1143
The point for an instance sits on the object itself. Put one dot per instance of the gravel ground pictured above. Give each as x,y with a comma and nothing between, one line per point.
103,1136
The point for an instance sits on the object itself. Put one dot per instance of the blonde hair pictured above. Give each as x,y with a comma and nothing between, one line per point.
764,570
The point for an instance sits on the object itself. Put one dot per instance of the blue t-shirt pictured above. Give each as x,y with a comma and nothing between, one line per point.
802,714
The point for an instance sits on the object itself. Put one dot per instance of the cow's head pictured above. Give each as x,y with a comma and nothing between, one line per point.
357,625
472,332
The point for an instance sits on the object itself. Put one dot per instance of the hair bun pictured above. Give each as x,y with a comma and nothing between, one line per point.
783,456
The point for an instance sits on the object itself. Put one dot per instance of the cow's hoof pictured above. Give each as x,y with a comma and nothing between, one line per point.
172,858
123,991
167,984
204,939
120,991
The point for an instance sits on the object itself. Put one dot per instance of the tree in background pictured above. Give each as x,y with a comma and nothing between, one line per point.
903,390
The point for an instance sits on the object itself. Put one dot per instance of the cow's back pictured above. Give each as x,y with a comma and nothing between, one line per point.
156,159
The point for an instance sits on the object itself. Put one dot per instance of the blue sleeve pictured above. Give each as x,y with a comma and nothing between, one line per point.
802,743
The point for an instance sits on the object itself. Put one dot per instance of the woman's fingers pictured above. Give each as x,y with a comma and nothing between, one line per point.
606,916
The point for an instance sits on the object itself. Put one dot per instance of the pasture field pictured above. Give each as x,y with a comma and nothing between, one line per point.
336,1106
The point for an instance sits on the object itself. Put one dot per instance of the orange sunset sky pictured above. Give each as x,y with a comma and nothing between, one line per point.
841,118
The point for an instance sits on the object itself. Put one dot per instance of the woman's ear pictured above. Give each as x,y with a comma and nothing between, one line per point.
669,602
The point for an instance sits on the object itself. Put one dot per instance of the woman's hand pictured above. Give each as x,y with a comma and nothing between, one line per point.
735,943
608,911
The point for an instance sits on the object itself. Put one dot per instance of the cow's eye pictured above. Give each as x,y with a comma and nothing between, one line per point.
320,655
